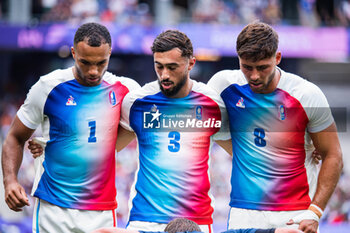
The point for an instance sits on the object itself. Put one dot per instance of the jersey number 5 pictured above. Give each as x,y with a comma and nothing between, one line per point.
174,145
259,134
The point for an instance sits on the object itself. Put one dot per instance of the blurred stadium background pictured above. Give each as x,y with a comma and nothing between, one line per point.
36,35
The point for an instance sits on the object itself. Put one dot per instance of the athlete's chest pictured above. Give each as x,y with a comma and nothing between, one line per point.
277,111
164,114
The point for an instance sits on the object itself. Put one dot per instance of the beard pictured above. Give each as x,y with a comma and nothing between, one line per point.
176,88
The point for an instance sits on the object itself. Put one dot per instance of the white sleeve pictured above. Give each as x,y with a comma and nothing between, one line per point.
218,83
31,113
223,79
130,84
317,110
215,82
224,132
125,113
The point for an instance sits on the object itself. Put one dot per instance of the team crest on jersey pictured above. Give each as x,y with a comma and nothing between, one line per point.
282,112
151,119
240,103
71,101
199,112
112,98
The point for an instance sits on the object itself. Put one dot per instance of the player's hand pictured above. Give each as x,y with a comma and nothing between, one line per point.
307,220
316,157
308,226
15,196
35,148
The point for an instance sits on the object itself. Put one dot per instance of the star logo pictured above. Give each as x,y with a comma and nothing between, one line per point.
155,115
151,119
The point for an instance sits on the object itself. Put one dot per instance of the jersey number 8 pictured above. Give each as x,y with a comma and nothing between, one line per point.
259,134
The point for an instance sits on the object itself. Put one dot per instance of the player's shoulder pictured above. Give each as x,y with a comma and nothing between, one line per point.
148,89
54,78
223,79
128,82
298,86
59,75
204,89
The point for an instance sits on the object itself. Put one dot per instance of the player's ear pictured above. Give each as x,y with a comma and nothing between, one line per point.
192,61
72,51
278,57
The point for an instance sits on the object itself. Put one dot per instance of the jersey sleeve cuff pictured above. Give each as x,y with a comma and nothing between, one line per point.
27,123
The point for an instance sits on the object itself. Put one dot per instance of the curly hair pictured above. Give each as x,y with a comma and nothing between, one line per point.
95,34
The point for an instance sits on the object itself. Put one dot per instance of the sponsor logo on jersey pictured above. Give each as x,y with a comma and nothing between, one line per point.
240,103
70,101
151,118
282,112
154,119
112,98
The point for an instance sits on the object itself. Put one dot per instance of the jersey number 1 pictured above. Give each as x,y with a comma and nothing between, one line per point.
92,126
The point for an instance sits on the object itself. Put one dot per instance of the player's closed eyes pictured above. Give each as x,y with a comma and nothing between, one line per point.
102,63
258,68
171,68
249,68
261,68
85,62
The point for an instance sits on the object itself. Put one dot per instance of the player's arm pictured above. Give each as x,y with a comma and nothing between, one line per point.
328,146
124,138
12,155
226,145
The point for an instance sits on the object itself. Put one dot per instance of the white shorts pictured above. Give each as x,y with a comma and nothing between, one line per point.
245,218
154,226
51,218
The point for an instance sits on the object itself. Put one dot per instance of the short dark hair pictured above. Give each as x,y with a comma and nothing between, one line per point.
181,225
95,34
171,39
257,41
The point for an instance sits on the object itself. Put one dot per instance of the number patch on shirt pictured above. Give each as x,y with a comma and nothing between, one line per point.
92,126
174,145
259,134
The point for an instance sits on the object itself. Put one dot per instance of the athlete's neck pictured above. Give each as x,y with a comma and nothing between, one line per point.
274,82
185,90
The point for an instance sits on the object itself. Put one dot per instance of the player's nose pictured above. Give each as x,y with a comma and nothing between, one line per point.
254,75
93,71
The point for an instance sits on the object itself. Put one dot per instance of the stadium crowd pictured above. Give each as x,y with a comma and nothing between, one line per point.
292,12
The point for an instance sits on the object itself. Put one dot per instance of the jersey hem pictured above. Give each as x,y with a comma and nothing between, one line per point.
166,219
270,206
74,205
